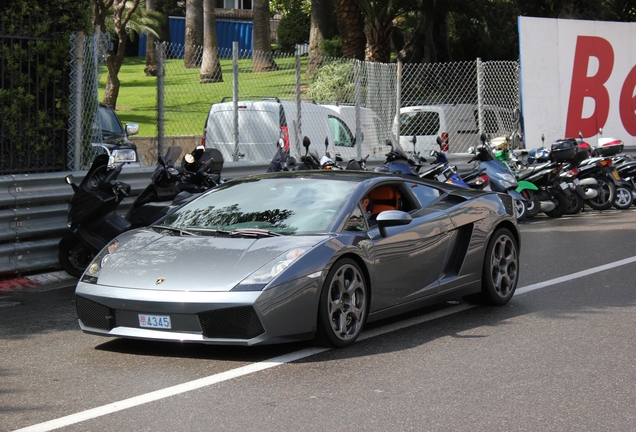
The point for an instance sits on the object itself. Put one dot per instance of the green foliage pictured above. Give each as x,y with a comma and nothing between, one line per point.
332,47
34,100
293,29
333,82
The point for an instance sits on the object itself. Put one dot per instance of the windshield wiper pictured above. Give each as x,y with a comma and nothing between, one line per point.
254,232
174,229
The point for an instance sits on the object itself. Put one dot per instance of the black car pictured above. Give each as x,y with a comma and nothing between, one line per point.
115,137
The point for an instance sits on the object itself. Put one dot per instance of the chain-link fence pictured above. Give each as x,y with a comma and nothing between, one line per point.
84,128
246,101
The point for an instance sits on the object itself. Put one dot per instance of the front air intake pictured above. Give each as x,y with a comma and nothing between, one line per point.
232,323
94,315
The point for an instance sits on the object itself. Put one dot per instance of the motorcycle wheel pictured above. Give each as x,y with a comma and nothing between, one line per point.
575,203
520,209
560,206
74,257
533,205
624,198
606,195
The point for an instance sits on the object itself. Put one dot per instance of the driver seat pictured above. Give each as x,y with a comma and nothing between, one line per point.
385,198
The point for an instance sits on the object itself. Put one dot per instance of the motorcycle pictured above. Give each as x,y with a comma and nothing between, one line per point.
397,161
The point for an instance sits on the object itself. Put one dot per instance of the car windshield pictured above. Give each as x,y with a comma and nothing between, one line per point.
262,207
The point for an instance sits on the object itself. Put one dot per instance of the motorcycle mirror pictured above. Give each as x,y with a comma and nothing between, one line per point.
482,137
189,158
69,179
580,135
438,140
111,161
542,140
280,143
471,149
306,142
414,139
326,142
600,131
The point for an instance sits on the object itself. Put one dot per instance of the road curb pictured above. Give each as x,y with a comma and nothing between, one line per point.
24,282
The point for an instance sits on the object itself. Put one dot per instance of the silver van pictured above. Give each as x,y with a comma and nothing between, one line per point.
261,123
456,124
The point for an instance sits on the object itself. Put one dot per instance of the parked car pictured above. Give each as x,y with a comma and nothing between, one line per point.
457,125
291,256
262,122
115,137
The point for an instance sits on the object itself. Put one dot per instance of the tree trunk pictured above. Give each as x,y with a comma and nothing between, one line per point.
322,27
379,40
193,34
351,26
121,16
210,65
151,63
262,55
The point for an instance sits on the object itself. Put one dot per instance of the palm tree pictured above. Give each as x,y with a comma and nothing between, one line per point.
351,27
263,57
210,65
322,27
194,33
379,15
128,19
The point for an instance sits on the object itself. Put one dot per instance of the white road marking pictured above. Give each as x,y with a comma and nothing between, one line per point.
287,358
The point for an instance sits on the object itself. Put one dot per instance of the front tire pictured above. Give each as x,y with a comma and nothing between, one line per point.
343,305
501,268
533,205
73,256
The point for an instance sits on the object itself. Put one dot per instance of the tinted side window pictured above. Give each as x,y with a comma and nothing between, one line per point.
425,194
419,123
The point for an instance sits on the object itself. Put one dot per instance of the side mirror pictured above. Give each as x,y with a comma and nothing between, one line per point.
580,135
69,179
482,137
414,139
391,218
132,129
306,142
542,140
438,140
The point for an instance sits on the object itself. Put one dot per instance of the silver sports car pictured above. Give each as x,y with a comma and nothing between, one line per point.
300,255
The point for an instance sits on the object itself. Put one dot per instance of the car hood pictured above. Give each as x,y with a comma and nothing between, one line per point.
143,257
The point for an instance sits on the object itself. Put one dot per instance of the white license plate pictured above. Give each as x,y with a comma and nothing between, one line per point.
577,181
155,321
441,178
564,186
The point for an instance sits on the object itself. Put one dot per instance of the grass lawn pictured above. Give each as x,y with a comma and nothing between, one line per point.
187,101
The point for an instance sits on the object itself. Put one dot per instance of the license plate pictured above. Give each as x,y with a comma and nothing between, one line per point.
577,181
441,178
616,176
564,186
155,321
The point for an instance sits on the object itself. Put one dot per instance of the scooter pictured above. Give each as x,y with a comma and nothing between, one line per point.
93,219
501,179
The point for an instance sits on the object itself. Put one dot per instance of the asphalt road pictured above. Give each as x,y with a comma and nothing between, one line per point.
559,357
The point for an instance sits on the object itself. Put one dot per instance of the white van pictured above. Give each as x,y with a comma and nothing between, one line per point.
262,122
457,125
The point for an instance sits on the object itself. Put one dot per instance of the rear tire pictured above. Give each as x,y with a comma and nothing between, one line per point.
624,198
501,268
575,203
74,257
606,195
560,206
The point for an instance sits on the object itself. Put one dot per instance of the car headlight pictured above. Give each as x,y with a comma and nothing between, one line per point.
91,275
125,155
264,275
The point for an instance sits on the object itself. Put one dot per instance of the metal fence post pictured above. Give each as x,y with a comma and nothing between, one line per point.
79,56
480,95
235,96
398,97
299,117
358,101
161,108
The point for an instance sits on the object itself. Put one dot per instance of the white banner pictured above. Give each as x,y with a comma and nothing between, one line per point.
577,76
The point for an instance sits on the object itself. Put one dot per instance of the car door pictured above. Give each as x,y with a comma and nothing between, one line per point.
407,262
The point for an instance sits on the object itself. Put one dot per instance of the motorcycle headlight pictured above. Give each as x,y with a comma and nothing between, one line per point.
124,155
264,275
91,275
